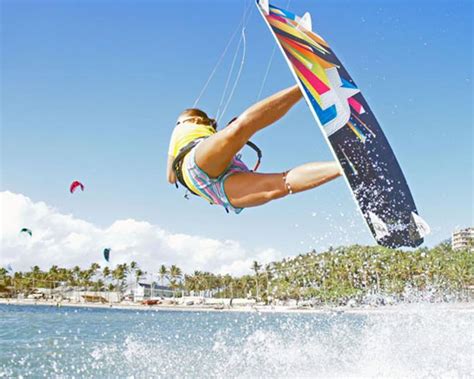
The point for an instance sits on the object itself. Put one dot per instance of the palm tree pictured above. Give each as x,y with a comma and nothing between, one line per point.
269,277
75,275
35,275
3,271
227,281
244,284
133,267
162,273
190,283
256,267
5,279
199,281
175,274
138,274
120,274
106,272
94,267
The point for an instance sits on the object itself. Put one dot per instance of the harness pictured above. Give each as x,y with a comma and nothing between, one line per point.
178,161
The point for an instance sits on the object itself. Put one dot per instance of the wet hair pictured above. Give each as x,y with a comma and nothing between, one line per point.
193,112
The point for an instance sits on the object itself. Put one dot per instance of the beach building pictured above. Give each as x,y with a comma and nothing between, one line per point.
463,238
141,291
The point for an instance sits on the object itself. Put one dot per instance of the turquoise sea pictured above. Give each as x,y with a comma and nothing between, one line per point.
417,340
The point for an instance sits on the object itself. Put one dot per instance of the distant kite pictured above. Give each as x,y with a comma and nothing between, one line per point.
107,254
74,186
9,268
26,230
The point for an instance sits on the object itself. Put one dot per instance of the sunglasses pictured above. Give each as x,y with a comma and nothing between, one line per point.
209,121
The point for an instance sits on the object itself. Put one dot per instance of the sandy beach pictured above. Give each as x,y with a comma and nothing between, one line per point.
458,307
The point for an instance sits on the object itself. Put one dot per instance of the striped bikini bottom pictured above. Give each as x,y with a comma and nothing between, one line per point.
211,189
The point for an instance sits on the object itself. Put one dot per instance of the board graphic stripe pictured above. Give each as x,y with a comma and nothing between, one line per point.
364,125
308,53
314,81
292,31
357,131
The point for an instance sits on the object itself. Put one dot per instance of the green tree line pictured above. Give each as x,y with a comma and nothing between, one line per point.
333,276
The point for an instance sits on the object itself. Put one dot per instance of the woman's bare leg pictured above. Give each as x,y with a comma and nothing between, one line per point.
250,189
214,154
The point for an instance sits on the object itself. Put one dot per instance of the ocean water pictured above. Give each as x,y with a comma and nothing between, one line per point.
417,340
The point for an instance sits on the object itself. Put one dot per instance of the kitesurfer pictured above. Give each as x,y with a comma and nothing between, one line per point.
206,162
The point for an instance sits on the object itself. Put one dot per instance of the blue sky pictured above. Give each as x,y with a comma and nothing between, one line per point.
91,91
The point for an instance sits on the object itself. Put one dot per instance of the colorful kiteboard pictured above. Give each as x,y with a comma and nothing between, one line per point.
351,130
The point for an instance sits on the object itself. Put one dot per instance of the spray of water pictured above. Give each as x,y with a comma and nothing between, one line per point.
415,340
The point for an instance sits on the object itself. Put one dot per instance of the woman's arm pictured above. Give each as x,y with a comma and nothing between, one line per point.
170,174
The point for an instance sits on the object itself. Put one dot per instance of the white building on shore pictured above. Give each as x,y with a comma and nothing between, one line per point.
141,291
463,238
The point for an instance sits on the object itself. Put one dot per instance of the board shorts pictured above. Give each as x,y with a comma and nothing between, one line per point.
211,189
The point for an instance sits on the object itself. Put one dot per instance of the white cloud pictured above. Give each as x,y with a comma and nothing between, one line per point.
66,241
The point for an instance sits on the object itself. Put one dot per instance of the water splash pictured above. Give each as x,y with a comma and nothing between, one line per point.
416,340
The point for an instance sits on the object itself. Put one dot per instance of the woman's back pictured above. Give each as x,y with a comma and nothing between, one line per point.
186,132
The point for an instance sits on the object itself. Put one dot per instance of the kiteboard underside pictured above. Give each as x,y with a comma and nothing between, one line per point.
351,130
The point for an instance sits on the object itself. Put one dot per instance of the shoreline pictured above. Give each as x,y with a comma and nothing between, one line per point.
467,307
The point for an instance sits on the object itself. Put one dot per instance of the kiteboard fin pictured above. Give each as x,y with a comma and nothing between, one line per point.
305,22
264,5
421,225
380,227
